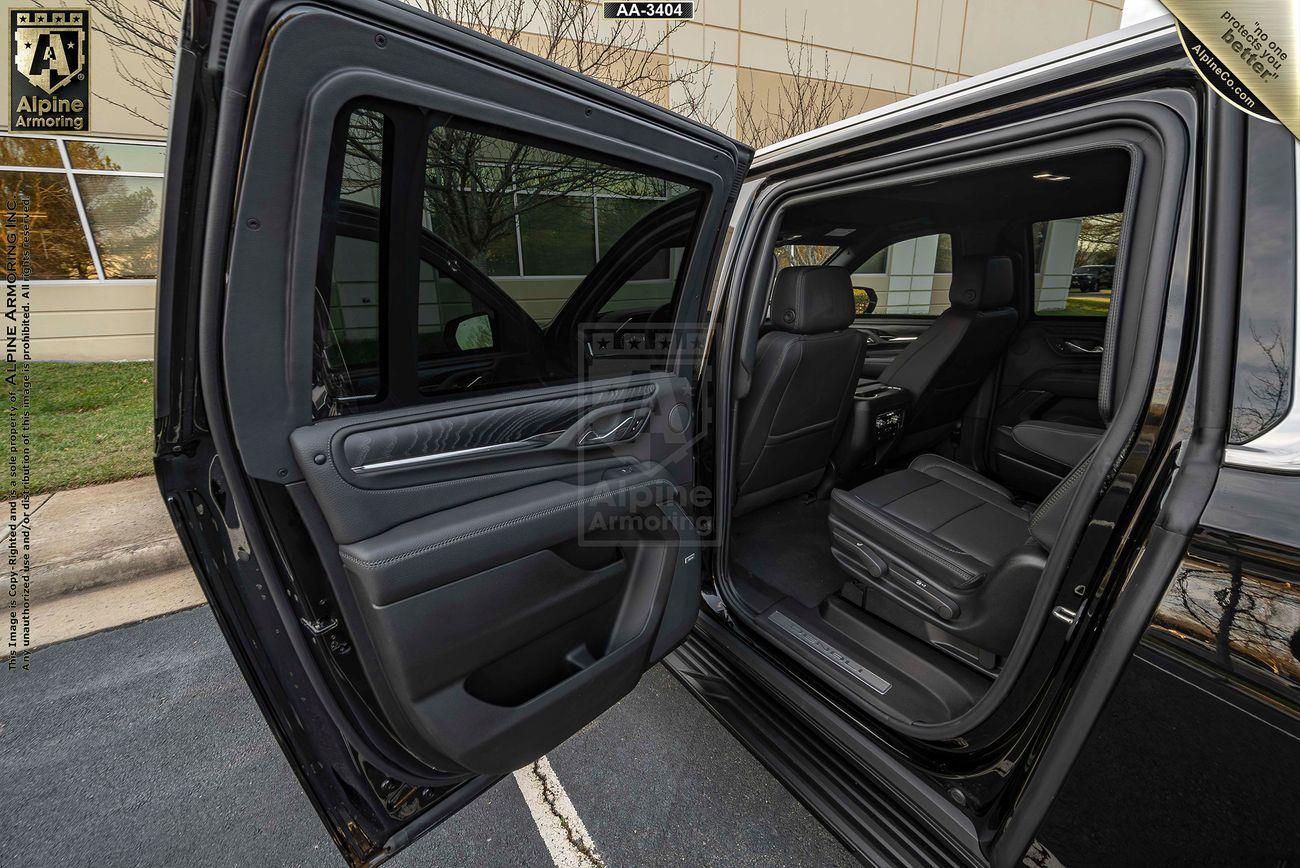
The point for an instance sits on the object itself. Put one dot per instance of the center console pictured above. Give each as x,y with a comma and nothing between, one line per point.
875,420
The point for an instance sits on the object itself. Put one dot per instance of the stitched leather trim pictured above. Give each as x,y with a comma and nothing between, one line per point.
923,546
1066,487
393,559
998,499
1058,431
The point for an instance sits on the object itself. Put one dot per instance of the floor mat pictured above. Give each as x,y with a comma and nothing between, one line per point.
788,546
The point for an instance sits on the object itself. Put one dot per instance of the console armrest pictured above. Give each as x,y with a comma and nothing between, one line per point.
1060,442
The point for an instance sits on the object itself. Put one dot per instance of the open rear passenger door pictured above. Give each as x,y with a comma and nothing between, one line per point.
437,548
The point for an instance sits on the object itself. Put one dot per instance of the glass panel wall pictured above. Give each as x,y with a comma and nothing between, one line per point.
96,206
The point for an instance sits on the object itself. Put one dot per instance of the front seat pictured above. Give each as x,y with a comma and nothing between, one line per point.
806,368
945,365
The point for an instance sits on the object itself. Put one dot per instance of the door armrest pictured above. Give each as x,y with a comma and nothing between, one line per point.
1060,442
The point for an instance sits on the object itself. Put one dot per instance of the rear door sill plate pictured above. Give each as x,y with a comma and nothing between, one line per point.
831,653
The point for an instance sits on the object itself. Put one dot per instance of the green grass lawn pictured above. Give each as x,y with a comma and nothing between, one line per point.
1082,305
91,423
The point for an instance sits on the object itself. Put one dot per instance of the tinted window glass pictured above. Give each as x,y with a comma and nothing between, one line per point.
907,278
451,320
650,288
1074,264
559,237
508,229
354,306
615,215
348,292
803,254
534,219
1262,391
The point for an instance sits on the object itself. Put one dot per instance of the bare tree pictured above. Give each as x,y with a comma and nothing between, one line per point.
1263,385
141,36
1099,239
1230,609
811,95
630,55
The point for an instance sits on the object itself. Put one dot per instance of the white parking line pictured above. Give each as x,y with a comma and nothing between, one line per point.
562,830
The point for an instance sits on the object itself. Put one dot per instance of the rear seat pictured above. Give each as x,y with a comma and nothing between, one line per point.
945,553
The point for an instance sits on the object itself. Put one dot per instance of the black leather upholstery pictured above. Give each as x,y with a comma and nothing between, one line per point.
981,283
943,553
953,546
805,371
810,300
1061,444
948,555
938,518
944,367
1050,514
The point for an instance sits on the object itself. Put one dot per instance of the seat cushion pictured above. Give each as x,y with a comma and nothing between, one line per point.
936,520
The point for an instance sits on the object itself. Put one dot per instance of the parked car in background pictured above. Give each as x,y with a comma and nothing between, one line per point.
978,581
1083,281
1092,278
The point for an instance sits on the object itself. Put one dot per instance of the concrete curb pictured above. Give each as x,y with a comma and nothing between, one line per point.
101,535
124,564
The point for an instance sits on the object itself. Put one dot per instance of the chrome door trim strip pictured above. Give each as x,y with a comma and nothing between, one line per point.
457,454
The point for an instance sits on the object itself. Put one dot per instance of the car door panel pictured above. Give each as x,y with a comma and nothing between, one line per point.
464,535
426,590
1051,373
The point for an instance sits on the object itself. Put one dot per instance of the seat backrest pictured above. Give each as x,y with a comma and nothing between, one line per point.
944,367
806,368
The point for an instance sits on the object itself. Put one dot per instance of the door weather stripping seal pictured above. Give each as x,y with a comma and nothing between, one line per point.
839,658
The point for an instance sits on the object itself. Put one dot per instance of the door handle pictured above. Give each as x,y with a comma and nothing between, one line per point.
625,429
1080,348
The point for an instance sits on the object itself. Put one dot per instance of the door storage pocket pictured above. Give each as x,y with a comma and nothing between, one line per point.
547,661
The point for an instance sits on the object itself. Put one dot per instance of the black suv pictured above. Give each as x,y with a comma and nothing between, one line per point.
483,387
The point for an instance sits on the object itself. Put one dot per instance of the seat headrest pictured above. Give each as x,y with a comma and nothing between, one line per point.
811,299
981,283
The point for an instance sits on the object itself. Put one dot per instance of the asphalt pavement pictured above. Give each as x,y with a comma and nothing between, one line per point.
141,746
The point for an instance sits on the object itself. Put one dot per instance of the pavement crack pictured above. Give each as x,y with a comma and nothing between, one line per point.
551,797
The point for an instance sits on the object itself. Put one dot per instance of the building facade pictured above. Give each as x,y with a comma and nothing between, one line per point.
96,196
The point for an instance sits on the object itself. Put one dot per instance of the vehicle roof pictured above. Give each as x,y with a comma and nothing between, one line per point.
1146,37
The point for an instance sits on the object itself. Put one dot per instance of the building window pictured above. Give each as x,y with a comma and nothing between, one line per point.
57,245
96,205
124,214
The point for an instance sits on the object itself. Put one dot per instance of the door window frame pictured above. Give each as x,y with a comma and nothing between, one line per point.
271,286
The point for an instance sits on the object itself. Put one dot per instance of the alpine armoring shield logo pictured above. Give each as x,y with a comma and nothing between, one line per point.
50,87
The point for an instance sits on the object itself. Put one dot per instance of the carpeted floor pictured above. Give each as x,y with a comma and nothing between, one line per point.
788,546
